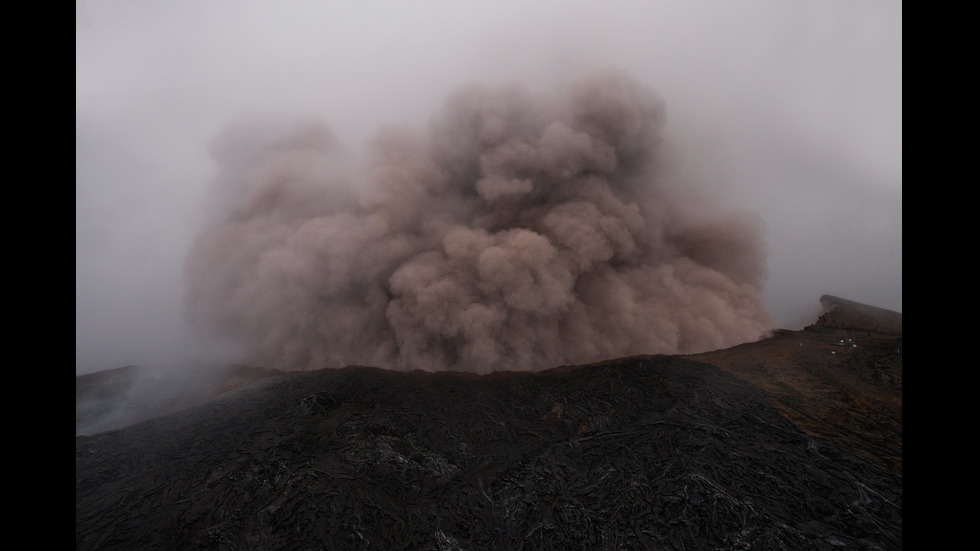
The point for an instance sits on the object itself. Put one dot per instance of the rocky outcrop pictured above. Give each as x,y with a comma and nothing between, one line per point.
841,313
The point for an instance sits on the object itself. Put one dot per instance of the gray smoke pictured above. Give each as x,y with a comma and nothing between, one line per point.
517,232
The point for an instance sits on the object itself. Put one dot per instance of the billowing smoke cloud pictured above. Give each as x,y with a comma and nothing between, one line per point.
517,232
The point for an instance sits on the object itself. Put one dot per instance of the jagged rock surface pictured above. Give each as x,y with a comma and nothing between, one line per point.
650,452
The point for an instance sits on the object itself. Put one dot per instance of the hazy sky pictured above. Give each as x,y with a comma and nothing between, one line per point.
790,110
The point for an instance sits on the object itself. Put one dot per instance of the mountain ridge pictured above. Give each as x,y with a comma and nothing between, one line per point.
747,447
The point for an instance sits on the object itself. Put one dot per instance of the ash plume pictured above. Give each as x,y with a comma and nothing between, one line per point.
518,231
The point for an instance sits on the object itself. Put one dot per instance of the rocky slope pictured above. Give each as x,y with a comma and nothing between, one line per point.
839,379
793,442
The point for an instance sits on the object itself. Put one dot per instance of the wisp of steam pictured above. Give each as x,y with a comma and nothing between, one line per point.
517,231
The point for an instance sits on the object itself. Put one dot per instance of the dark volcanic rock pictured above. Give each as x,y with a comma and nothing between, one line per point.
97,395
846,314
651,452
839,380
116,398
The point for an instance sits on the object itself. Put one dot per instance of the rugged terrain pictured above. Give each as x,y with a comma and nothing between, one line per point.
839,379
791,442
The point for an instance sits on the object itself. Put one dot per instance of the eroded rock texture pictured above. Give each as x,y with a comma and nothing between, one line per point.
648,452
